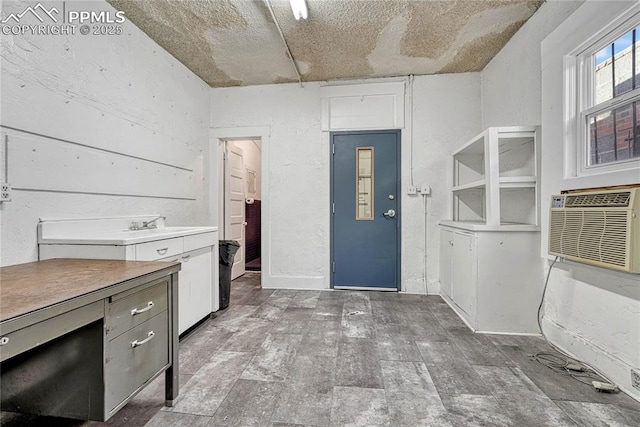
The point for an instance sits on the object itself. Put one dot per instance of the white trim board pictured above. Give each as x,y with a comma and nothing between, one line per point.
41,163
580,348
293,282
363,106
244,133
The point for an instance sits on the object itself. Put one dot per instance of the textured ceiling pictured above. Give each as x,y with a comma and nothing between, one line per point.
236,43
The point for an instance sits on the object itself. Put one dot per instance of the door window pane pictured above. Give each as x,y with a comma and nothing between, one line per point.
364,183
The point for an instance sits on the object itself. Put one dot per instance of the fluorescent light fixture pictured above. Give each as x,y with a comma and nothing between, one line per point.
299,8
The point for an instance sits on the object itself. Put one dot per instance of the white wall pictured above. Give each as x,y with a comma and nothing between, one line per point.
590,312
446,114
252,151
296,202
511,82
295,241
98,126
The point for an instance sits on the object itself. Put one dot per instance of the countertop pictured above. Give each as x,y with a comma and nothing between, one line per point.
120,237
482,226
25,288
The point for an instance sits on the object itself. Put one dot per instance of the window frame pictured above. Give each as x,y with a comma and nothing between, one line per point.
580,94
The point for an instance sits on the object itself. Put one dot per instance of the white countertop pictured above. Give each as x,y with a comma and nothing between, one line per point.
481,226
123,237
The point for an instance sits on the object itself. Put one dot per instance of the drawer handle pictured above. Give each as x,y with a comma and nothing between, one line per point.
137,343
149,306
4,340
186,258
162,251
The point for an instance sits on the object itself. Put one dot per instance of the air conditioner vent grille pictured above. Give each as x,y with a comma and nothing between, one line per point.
596,200
599,235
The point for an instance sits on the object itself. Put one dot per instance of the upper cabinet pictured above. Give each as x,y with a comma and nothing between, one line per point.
496,180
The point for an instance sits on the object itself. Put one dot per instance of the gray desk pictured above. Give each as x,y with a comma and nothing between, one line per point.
80,338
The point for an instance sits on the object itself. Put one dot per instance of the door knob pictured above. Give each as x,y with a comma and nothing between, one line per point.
390,213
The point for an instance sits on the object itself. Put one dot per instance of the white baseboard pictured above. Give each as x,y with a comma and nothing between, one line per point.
433,287
588,352
293,282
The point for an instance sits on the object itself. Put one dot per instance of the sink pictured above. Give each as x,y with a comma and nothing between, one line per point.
161,230
124,237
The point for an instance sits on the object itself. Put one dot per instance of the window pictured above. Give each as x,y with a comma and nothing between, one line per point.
609,99
364,185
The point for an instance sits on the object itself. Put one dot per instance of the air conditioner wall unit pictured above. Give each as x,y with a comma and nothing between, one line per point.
600,228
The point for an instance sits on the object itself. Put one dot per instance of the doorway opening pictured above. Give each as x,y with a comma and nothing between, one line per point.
240,204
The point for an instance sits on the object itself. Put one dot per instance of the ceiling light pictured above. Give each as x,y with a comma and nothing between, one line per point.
299,8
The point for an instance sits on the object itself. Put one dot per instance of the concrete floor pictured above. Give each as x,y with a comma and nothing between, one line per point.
311,358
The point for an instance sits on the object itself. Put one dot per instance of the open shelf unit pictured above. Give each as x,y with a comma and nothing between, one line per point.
490,271
495,178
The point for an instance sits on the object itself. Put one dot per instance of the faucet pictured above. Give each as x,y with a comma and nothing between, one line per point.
135,225
152,223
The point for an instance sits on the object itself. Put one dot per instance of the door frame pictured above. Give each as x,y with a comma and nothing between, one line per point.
213,184
398,133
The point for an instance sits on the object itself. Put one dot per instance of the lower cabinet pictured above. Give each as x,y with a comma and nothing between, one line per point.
464,272
446,256
492,279
195,292
198,278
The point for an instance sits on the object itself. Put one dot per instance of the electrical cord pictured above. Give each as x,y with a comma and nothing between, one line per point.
410,89
562,362
574,368
544,291
426,223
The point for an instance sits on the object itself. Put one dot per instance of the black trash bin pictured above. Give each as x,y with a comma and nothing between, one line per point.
228,249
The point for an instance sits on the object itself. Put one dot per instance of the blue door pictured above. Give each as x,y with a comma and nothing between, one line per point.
365,226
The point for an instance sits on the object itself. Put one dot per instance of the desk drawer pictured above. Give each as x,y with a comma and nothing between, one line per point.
126,313
24,339
152,251
128,367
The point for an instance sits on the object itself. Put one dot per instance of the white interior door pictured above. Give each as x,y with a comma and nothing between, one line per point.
234,205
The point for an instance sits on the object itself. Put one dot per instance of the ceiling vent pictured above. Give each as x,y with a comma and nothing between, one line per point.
599,228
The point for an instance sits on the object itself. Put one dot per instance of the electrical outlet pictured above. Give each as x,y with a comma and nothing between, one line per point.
425,190
635,379
5,192
412,190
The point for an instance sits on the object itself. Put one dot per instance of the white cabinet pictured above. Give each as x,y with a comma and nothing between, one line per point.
464,272
492,280
195,247
446,255
195,293
490,266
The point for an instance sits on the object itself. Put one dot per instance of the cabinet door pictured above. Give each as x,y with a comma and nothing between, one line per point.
446,252
464,272
194,288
